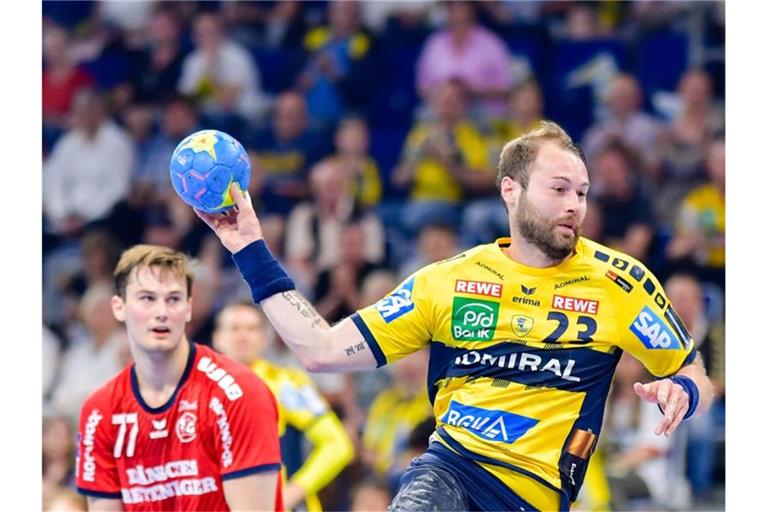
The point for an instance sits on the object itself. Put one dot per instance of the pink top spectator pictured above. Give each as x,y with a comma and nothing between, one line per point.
483,63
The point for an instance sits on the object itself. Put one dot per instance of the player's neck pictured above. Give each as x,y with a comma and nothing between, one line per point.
523,252
158,374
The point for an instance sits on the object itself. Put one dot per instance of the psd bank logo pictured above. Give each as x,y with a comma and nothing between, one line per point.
492,425
474,319
398,303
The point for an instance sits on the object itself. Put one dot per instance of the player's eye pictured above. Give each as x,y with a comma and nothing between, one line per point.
146,298
559,190
582,194
174,299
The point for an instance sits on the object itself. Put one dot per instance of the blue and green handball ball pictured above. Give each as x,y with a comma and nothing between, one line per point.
204,165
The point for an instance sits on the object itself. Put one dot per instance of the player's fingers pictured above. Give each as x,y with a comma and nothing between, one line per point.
645,391
238,196
678,419
208,219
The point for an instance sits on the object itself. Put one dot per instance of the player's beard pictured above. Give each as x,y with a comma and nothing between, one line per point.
537,230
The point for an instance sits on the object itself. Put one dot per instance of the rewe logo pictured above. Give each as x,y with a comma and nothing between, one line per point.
473,319
575,304
398,303
493,425
479,288
653,332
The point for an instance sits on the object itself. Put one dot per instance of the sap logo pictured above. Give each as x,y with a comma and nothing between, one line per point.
479,288
221,377
89,461
653,332
398,303
528,291
493,425
474,320
575,304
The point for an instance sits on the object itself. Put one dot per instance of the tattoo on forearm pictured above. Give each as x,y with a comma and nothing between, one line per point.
353,349
303,306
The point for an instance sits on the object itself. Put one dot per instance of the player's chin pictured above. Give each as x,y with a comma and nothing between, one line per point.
154,342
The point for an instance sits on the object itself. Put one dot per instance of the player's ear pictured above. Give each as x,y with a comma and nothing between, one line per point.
118,308
510,192
189,309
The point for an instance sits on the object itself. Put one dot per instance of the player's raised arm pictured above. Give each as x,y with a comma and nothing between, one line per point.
319,346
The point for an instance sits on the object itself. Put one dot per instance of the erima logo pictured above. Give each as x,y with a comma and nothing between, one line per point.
653,332
159,431
493,425
528,291
398,303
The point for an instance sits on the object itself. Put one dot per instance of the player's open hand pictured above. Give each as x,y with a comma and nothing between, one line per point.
671,397
239,226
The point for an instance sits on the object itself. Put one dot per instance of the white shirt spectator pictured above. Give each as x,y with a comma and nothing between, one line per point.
83,369
232,66
86,177
51,349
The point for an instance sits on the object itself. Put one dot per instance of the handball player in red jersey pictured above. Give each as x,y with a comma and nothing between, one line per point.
183,428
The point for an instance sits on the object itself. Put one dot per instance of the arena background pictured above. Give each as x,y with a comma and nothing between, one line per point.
574,52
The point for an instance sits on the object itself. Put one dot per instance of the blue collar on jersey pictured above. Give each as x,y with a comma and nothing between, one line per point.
169,403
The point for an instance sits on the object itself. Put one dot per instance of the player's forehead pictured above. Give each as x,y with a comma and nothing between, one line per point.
554,162
156,279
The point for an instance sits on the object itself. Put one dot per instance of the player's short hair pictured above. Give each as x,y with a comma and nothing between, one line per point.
518,154
145,255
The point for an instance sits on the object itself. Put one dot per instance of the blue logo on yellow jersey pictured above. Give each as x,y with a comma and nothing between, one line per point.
653,332
398,303
493,425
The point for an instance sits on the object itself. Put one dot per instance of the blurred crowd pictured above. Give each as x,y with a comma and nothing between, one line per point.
373,130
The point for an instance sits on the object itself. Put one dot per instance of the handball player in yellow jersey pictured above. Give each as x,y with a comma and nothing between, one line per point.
524,335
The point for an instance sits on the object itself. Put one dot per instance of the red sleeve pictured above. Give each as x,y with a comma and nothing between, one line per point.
95,469
246,419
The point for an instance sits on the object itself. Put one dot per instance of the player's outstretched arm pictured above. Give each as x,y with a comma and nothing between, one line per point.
318,346
104,504
675,399
253,492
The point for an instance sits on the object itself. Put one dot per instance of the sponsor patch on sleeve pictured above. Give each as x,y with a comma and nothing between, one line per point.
398,303
653,332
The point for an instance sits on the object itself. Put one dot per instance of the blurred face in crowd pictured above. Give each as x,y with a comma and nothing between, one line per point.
58,439
449,103
96,309
527,102
88,111
685,295
178,119
461,15
410,373
327,182
352,244
343,17
592,227
551,209
612,171
696,89
241,333
352,138
290,116
208,32
437,243
624,96
163,28
155,309
55,42
716,163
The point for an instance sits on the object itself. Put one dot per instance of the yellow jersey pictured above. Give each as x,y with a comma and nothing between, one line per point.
302,408
521,358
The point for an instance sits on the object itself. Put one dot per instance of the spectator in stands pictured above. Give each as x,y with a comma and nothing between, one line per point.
624,119
178,119
371,495
352,140
337,72
222,76
592,226
443,160
642,466
159,63
524,111
284,153
628,223
699,241
471,53
99,353
706,432
314,228
62,79
58,456
89,169
436,242
51,353
395,412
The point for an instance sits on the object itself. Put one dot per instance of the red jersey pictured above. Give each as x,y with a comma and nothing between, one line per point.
220,423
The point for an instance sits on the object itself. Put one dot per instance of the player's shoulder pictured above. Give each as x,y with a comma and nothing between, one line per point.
624,271
232,378
470,258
